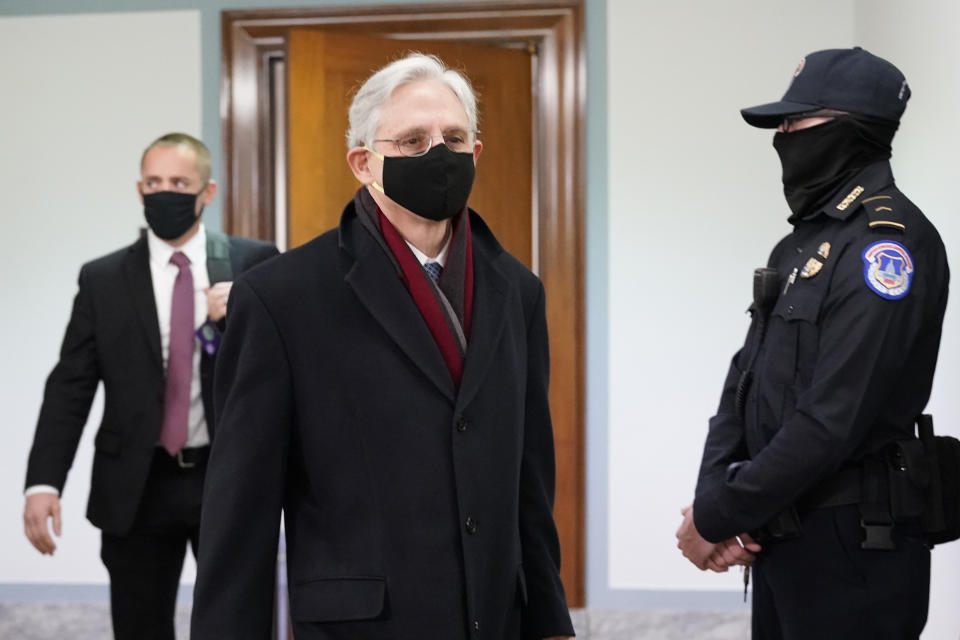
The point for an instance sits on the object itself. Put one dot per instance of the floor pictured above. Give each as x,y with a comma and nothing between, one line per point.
36,621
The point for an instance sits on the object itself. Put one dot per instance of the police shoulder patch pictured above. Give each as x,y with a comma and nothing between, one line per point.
888,269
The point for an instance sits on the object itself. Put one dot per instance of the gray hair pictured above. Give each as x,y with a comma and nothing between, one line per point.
366,105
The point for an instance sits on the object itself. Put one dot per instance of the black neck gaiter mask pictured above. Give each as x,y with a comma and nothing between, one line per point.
819,160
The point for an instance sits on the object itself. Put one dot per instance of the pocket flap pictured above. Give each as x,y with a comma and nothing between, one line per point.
107,442
801,302
338,599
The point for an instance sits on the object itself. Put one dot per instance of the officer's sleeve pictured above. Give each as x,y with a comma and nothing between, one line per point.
726,442
244,485
864,340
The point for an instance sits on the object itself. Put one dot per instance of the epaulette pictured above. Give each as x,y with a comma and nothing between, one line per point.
882,213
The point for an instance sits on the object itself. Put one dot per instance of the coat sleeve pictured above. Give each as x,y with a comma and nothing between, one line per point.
726,441
546,613
244,485
67,396
864,341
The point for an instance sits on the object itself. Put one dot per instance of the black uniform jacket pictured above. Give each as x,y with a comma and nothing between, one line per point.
841,370
412,510
113,336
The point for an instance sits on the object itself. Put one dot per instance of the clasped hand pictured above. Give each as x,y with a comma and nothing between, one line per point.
719,556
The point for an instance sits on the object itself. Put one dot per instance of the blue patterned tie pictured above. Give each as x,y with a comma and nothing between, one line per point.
433,270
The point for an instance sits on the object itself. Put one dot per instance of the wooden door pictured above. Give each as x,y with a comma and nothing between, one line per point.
326,69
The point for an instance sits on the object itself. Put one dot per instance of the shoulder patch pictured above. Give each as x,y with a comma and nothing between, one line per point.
888,269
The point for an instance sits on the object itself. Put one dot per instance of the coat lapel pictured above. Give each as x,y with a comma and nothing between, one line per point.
140,284
374,280
489,296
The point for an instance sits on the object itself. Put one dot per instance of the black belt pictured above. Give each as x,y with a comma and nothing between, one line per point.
846,488
842,488
186,458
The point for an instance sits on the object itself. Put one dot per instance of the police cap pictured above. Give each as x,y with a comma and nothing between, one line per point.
851,80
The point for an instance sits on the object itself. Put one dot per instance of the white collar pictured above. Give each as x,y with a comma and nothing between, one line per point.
195,248
441,257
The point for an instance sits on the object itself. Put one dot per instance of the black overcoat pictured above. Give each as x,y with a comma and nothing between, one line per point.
412,509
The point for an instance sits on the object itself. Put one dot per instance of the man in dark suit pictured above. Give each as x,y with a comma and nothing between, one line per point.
385,385
146,322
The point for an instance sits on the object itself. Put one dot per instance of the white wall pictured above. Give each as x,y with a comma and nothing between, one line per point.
695,204
81,97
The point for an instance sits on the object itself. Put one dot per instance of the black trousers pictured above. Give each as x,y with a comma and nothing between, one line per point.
823,585
145,565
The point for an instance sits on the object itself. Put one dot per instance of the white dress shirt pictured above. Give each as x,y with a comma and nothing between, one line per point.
163,274
441,257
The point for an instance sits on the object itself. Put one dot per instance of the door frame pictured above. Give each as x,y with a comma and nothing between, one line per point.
253,40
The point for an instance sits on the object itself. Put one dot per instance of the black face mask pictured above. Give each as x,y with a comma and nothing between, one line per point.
819,160
170,213
435,185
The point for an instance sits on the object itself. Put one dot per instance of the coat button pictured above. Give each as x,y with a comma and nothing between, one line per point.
462,424
790,309
470,525
476,625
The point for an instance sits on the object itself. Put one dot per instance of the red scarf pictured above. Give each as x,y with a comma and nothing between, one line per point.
425,296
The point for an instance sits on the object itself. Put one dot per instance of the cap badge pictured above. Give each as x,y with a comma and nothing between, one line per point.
803,63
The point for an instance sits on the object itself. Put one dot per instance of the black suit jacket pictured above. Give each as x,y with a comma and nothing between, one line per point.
113,336
413,510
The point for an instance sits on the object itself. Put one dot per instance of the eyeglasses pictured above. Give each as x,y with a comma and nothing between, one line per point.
417,144
789,122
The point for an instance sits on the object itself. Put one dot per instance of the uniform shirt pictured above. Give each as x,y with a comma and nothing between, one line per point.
163,274
844,364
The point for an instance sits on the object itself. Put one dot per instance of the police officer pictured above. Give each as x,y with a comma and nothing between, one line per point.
836,367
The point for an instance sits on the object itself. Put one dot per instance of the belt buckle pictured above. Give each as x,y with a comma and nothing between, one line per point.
878,536
183,464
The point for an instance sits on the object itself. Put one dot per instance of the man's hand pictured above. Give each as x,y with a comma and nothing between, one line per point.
739,550
701,553
39,507
217,300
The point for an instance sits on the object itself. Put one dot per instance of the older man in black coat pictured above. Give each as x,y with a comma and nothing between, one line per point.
385,386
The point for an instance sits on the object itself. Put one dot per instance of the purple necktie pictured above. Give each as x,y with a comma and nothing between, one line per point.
176,402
